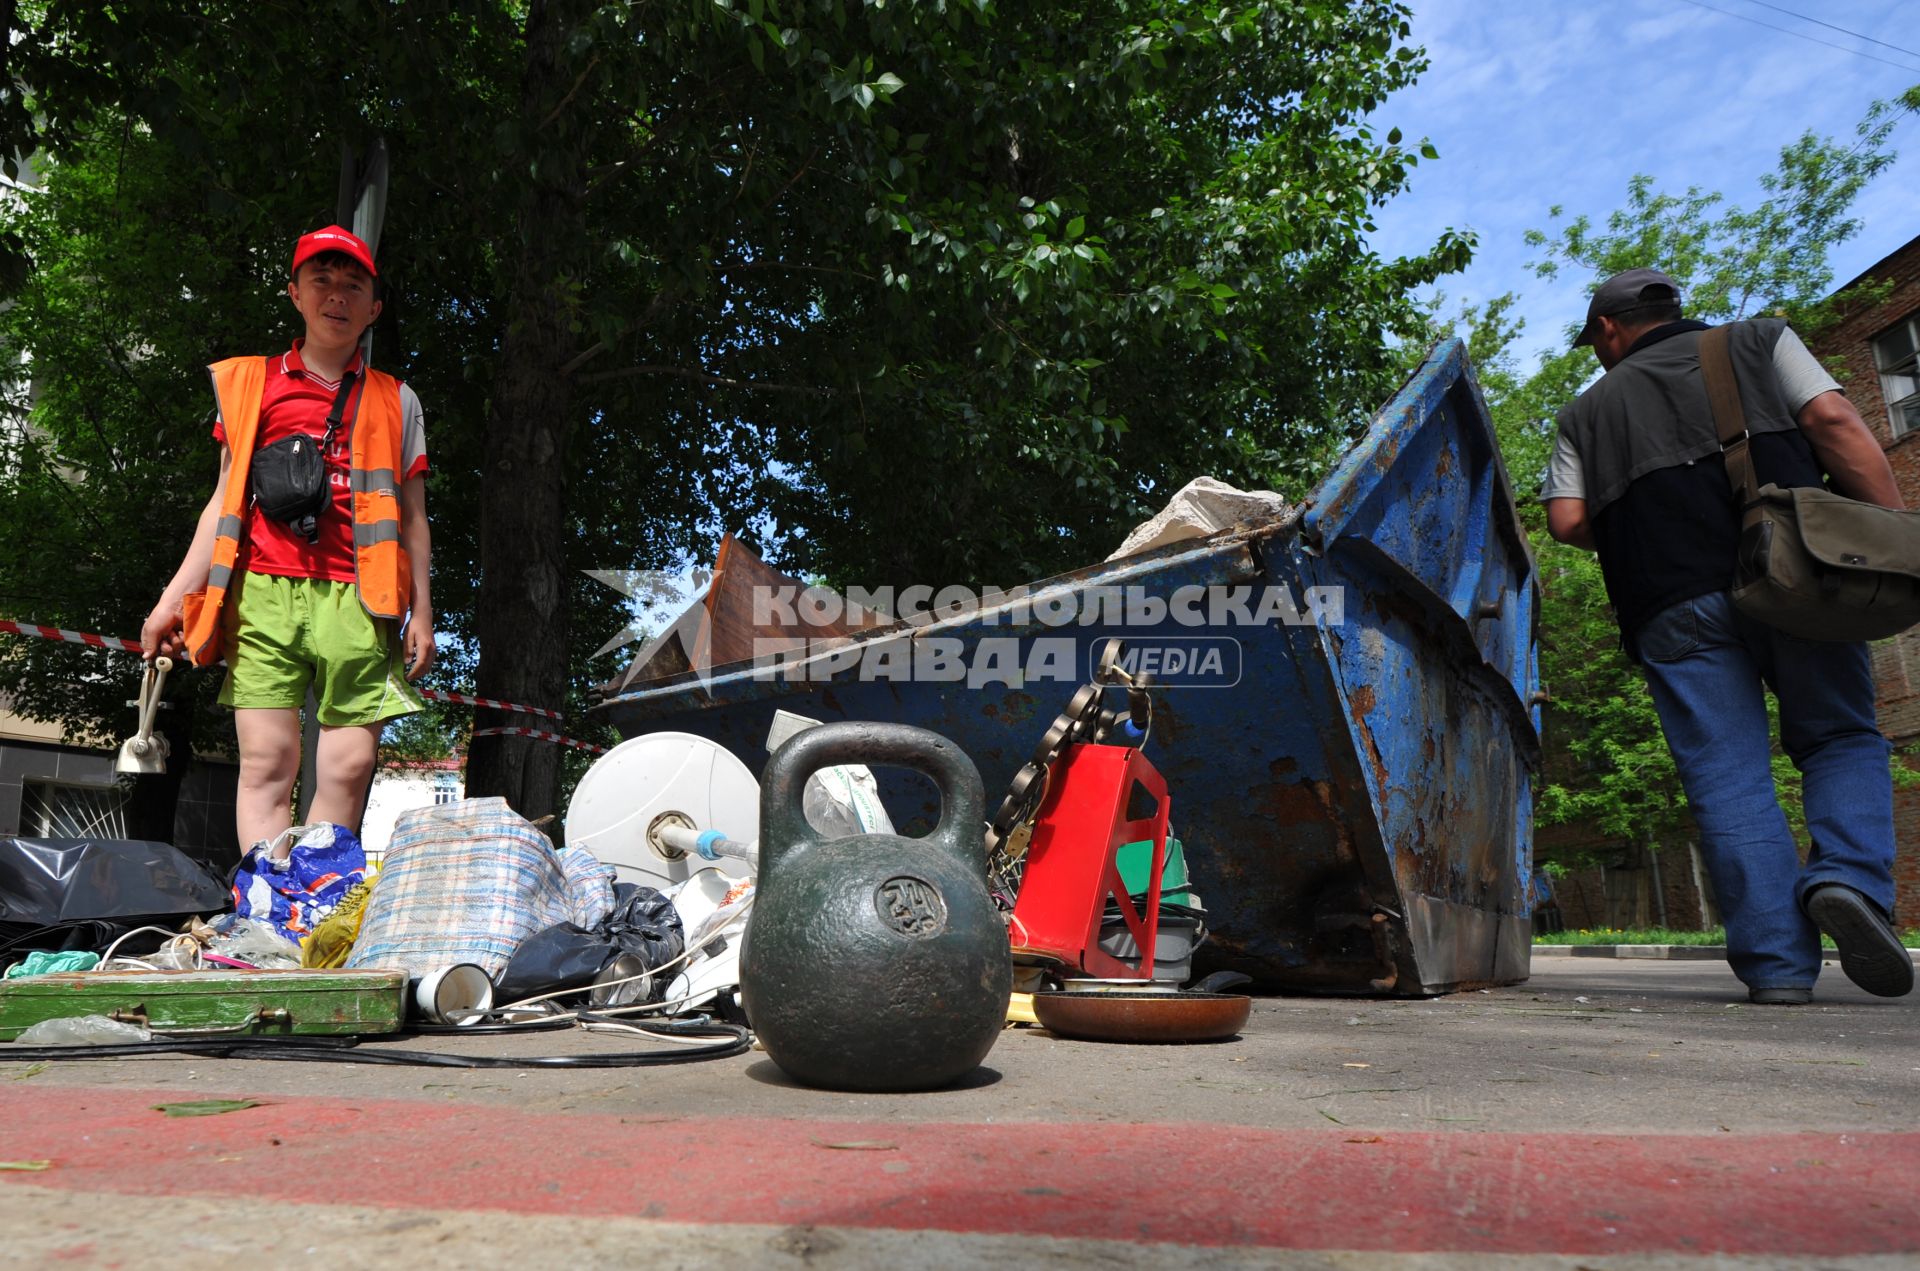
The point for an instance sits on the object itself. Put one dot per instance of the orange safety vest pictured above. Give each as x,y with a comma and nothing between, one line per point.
382,572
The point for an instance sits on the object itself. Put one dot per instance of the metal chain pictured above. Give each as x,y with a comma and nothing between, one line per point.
1083,721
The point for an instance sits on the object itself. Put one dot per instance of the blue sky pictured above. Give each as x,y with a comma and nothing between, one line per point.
1538,102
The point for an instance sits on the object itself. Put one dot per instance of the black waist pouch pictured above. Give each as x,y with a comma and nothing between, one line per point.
289,478
290,482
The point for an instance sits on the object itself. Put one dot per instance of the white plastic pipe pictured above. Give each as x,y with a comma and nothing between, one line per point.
709,845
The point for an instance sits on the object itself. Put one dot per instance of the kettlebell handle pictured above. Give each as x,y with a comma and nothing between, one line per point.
963,799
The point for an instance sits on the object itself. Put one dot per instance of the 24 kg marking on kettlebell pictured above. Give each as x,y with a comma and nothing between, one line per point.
911,906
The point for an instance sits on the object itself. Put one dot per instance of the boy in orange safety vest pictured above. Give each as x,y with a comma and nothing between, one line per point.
338,603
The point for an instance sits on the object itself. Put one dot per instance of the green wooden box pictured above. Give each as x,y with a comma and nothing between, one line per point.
212,1003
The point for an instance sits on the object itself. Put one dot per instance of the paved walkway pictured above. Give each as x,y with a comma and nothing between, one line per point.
1635,1111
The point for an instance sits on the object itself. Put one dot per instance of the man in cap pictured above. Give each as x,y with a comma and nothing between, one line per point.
334,598
1637,476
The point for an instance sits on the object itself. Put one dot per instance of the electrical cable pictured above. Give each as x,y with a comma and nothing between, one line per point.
67,930
745,905
685,1034
601,1024
493,1026
1800,35
181,946
733,1040
537,1024
730,1040
108,955
160,1045
646,1008
1831,27
568,1017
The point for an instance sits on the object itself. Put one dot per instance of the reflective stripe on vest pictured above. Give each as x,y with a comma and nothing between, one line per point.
380,566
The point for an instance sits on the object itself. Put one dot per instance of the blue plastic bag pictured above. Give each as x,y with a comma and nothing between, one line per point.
293,894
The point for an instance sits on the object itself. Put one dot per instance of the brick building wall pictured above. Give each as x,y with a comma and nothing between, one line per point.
1906,862
1846,349
1896,673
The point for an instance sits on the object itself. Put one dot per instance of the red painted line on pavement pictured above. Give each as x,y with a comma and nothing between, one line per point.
1179,1183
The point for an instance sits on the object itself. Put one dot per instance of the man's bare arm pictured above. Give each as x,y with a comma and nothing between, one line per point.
1567,522
1849,451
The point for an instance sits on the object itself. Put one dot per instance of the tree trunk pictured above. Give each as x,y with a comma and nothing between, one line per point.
521,619
1659,884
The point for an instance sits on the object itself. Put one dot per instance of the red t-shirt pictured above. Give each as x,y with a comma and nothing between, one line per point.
295,401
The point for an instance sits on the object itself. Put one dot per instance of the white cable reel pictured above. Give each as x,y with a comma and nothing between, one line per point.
672,810
645,806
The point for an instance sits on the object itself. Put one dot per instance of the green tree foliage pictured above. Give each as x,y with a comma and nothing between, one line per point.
1734,262
942,292
98,494
1126,246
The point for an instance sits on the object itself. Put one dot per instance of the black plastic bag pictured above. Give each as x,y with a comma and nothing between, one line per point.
643,923
81,893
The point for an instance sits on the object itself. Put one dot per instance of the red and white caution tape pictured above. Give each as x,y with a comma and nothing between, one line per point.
537,735
120,645
71,637
436,695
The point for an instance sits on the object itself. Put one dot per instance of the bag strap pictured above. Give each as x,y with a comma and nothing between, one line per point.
1729,416
309,526
340,406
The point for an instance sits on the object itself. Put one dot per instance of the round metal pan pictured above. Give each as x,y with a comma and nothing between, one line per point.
1144,1016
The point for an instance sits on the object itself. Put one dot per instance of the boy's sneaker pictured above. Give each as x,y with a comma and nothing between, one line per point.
1870,950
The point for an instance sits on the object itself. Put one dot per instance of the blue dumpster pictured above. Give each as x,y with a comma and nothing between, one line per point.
1351,773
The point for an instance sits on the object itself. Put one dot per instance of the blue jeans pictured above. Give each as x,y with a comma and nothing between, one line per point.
1705,663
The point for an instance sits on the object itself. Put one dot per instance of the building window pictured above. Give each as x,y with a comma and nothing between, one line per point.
52,811
1894,354
446,788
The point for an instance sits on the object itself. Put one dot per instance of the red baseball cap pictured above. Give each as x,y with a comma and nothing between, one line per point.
332,239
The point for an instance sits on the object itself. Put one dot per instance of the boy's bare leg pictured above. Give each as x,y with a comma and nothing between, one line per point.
269,761
342,771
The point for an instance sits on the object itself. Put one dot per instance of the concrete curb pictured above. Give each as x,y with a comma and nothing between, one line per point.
1673,952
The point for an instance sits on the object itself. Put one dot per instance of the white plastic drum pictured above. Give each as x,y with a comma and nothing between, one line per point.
649,777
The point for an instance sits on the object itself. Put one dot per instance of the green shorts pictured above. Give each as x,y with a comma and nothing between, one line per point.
284,635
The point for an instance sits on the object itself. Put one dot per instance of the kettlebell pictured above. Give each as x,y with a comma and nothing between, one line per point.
874,962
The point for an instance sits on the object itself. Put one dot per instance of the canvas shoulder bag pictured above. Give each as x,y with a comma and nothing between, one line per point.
1812,563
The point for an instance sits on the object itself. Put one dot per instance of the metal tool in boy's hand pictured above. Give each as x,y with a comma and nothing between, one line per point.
143,752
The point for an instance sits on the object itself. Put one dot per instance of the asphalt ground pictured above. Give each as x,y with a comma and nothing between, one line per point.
1605,1113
